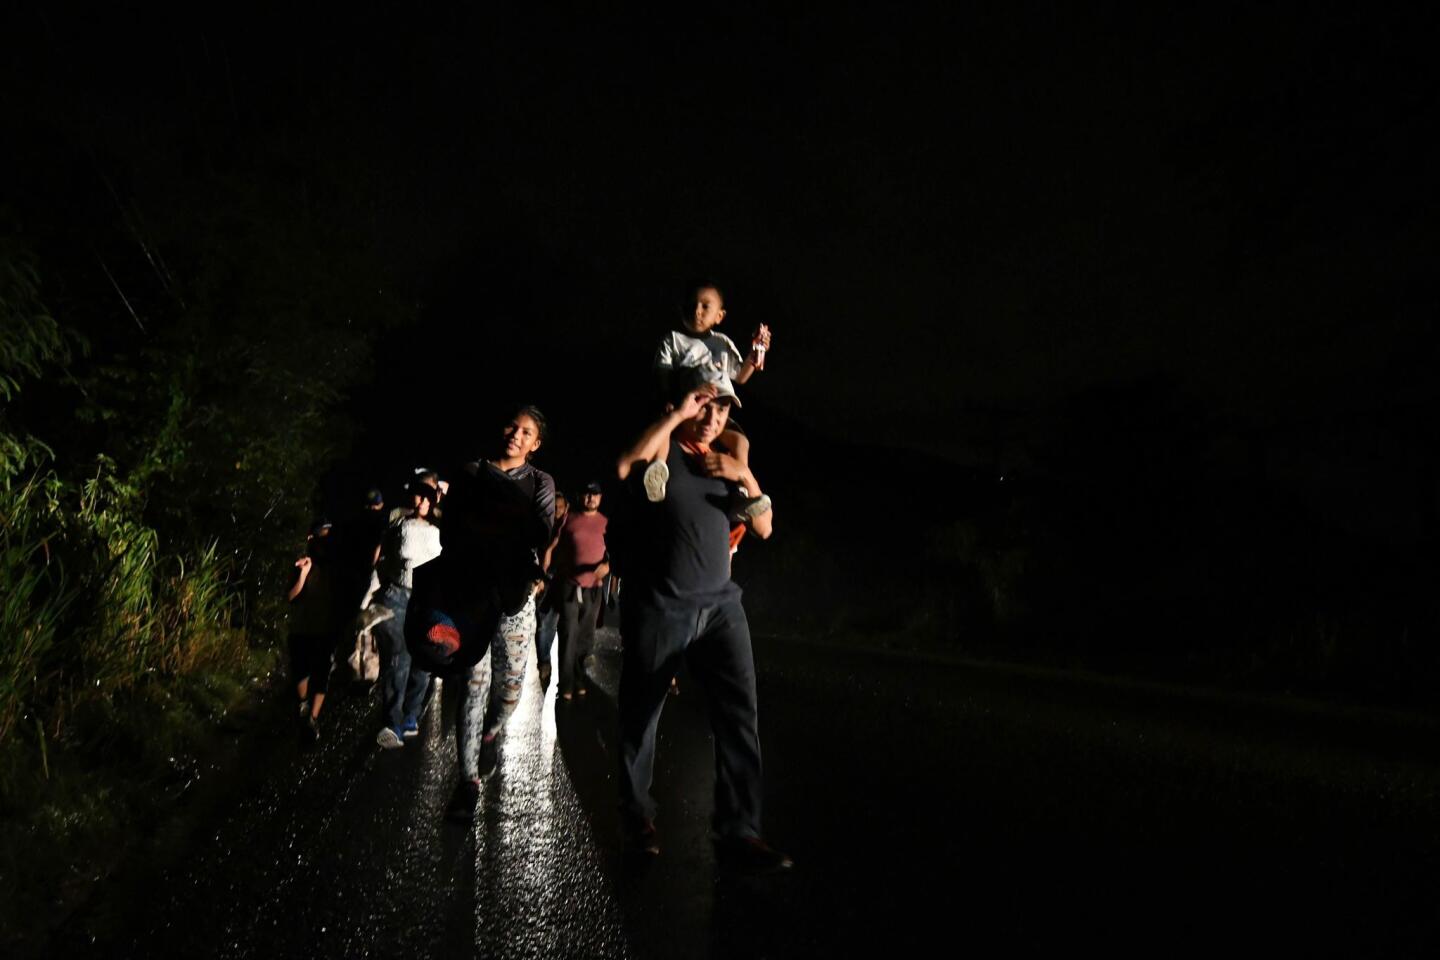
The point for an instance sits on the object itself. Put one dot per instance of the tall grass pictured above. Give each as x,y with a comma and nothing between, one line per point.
37,599
93,607
91,604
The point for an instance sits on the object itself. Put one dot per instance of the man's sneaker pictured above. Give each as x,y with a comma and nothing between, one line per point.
657,475
388,739
750,855
641,838
489,756
462,804
410,728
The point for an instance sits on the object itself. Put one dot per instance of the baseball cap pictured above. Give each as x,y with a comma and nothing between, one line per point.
697,377
723,386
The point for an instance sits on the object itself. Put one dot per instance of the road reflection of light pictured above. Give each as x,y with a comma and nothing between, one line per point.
536,857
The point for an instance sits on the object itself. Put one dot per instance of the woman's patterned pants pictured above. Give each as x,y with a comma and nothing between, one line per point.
500,674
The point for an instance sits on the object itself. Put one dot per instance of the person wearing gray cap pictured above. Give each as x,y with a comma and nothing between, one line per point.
680,602
731,441
698,352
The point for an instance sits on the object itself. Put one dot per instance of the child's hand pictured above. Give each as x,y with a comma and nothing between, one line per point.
759,345
723,465
304,564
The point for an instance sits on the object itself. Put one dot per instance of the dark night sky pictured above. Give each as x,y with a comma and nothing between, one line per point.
937,214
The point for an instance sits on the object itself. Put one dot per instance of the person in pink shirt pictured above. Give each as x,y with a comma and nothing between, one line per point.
580,565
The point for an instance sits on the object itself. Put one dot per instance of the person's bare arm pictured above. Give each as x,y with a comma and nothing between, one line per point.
550,551
764,525
654,443
303,565
370,590
738,444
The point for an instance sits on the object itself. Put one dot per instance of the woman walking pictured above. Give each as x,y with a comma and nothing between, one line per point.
499,516
413,540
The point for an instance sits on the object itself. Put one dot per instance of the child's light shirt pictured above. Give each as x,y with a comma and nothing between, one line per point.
713,351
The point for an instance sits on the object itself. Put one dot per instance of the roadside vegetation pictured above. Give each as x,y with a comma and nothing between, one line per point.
163,433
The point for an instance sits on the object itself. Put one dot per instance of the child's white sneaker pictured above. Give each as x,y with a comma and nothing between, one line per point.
657,475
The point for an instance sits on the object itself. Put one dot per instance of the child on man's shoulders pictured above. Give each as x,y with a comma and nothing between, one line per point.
699,354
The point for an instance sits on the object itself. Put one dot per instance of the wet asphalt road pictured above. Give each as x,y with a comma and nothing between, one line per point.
929,805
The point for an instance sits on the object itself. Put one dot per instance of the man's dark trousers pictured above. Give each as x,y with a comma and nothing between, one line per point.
579,613
714,639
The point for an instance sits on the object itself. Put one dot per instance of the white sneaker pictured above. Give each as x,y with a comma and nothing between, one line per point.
656,476
388,739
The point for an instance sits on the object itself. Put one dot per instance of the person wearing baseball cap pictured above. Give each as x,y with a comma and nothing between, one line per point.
580,563
679,602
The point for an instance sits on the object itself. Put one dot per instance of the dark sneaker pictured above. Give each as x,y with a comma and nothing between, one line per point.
309,731
388,739
410,728
750,855
462,804
657,475
489,756
641,838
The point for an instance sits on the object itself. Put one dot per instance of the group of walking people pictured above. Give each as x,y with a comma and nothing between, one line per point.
466,575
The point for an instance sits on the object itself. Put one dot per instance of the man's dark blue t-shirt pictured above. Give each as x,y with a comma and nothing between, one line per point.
683,545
